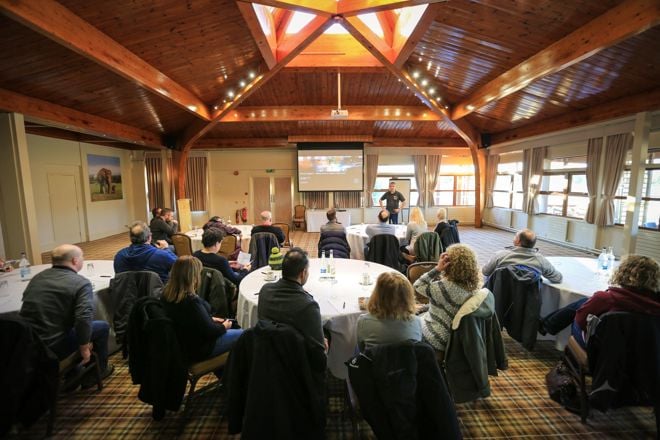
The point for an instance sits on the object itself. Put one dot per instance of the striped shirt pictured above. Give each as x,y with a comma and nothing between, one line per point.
445,298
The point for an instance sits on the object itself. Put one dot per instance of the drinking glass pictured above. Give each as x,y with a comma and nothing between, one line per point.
90,269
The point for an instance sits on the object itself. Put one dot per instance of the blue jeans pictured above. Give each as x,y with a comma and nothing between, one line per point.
69,344
576,331
394,218
562,318
225,342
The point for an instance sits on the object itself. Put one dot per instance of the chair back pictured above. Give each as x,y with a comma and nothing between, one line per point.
517,291
428,247
415,271
182,244
285,228
384,249
213,290
261,244
228,246
299,216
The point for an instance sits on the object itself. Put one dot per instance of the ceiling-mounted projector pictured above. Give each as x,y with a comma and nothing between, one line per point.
339,114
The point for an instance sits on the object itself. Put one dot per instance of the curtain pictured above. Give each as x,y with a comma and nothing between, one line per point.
420,178
616,148
196,183
594,149
532,174
372,172
170,178
315,199
491,175
154,170
432,173
346,199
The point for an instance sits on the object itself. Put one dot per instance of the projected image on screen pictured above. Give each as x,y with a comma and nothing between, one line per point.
330,170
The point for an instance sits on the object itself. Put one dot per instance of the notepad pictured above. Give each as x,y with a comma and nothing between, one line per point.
243,258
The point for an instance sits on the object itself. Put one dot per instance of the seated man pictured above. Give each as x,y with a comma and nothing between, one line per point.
155,212
523,253
287,302
58,304
209,257
5,267
141,255
333,224
382,227
164,226
267,226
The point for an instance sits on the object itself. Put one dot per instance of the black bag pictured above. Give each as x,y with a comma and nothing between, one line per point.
562,388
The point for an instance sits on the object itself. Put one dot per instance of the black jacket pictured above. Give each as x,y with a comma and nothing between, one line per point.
214,291
161,230
448,232
28,373
261,244
517,291
624,360
155,361
402,393
273,391
335,240
384,249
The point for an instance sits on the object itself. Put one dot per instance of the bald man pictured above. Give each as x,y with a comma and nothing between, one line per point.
58,303
523,253
267,226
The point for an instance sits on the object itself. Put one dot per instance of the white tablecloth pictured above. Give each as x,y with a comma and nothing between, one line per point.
357,239
196,237
316,218
338,300
580,279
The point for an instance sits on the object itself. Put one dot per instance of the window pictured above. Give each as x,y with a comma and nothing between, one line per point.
387,172
564,187
507,192
649,208
454,191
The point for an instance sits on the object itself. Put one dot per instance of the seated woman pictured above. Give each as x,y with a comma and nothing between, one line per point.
416,226
391,316
209,257
634,287
443,229
448,285
201,336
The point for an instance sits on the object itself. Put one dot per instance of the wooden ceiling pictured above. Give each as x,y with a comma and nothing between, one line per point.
207,73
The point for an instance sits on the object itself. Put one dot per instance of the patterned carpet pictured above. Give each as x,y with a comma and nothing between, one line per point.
517,408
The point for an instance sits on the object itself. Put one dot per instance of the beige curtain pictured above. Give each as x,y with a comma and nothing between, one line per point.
432,172
154,170
491,175
372,172
616,148
594,149
196,183
315,199
532,174
170,178
420,177
346,199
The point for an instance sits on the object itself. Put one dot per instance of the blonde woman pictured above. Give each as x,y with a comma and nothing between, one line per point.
416,226
443,229
200,335
447,286
391,316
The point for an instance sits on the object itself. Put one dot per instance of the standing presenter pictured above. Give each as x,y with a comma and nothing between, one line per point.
395,202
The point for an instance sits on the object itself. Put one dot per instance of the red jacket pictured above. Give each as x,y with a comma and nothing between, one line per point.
618,299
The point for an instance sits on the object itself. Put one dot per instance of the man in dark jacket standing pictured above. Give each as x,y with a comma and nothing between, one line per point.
58,304
163,226
141,255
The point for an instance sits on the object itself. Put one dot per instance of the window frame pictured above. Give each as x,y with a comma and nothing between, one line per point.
650,167
566,193
455,190
511,191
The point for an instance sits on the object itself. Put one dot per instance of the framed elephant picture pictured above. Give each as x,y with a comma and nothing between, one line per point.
104,177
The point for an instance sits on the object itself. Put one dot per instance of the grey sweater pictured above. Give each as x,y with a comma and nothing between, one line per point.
523,256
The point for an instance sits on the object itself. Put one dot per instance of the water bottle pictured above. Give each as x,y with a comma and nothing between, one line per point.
610,258
603,260
24,266
331,264
324,264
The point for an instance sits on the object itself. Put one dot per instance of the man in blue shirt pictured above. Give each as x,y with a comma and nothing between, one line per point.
142,255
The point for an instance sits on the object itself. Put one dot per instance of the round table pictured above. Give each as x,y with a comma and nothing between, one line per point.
196,237
337,299
357,238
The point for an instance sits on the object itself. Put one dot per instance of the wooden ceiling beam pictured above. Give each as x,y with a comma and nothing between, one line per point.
283,23
349,8
289,142
374,40
74,120
267,44
211,143
54,21
404,47
387,27
630,18
324,8
647,101
453,143
322,113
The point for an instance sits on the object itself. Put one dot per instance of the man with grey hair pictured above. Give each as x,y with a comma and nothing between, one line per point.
267,226
142,255
58,304
332,225
523,253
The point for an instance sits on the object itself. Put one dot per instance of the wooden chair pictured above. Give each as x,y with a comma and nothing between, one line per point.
415,271
285,228
227,246
182,244
200,369
299,217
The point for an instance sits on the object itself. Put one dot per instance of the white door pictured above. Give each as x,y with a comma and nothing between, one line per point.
64,209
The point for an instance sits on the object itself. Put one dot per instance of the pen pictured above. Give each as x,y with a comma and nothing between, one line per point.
344,306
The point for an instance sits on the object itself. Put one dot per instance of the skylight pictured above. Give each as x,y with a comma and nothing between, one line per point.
336,29
372,22
299,21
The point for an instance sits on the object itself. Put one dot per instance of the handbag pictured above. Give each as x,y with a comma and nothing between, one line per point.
562,387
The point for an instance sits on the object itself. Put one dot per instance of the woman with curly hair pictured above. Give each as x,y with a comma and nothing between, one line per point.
447,286
391,316
634,287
